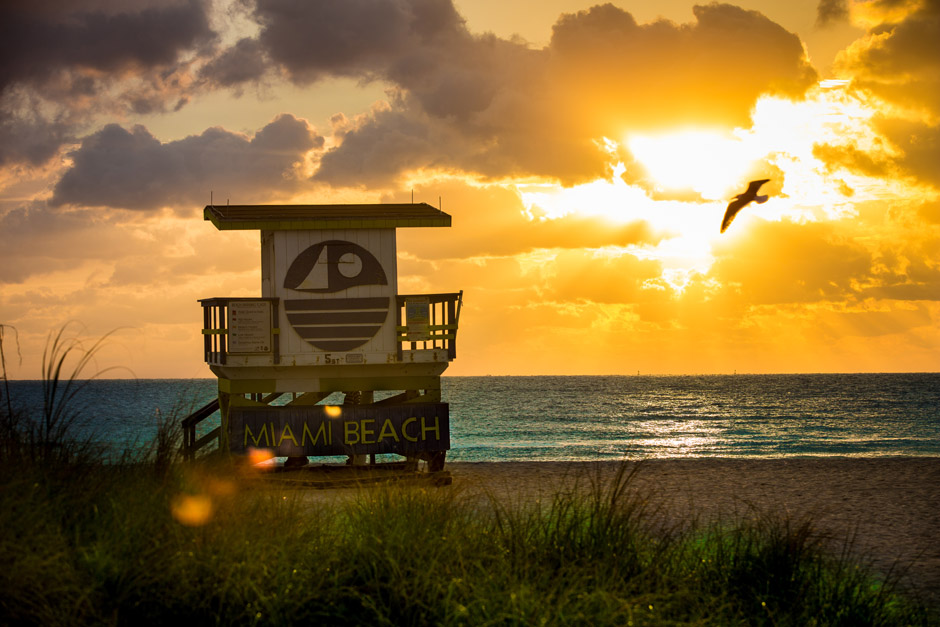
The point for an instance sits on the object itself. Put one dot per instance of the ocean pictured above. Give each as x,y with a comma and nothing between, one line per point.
584,418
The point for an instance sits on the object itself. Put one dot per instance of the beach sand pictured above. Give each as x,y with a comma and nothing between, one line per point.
890,505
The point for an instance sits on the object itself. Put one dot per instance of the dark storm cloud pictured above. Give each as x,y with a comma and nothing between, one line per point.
377,147
353,37
243,62
133,170
62,58
464,102
830,12
28,137
509,109
36,42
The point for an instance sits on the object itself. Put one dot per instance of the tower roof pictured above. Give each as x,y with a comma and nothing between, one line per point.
314,217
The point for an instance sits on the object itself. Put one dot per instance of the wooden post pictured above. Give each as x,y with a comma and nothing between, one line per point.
225,402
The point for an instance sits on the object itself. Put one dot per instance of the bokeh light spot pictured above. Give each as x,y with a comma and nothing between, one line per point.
192,510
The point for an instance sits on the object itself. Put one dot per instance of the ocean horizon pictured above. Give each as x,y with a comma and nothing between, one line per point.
595,417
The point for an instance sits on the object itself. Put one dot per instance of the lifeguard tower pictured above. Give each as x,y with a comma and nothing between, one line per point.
329,320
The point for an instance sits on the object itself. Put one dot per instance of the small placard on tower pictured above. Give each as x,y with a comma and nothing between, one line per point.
249,326
417,318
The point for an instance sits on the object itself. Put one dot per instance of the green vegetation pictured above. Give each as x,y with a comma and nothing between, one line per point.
149,540
95,544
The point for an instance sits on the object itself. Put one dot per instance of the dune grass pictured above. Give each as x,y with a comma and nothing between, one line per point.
113,544
146,539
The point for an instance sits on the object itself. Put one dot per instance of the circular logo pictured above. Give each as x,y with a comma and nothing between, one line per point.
335,323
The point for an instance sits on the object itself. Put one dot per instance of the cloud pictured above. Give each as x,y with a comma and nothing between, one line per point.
930,212
491,221
872,320
311,40
583,275
785,262
376,147
243,62
505,109
131,169
61,66
832,262
113,270
870,163
39,39
37,239
919,144
27,136
709,71
830,12
464,112
459,101
896,62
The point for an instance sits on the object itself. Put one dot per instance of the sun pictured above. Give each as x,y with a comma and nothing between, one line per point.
678,182
710,163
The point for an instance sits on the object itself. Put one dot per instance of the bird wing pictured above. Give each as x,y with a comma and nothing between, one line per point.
753,186
733,208
741,200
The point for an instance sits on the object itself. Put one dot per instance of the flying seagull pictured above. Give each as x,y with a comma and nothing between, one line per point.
741,200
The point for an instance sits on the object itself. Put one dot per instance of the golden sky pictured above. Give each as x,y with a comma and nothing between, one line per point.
586,153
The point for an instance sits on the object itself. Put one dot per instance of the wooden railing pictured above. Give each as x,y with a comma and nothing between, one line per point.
192,444
215,327
429,321
423,322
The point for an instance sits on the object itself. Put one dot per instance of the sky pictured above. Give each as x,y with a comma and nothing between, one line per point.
586,153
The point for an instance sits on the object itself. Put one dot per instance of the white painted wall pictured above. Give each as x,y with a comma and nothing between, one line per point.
278,251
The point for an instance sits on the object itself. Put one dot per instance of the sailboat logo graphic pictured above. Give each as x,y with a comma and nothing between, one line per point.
335,323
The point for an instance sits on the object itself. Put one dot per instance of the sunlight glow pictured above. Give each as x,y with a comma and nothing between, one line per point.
610,198
781,144
706,162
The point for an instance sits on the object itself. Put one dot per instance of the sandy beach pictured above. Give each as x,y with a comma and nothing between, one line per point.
892,505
